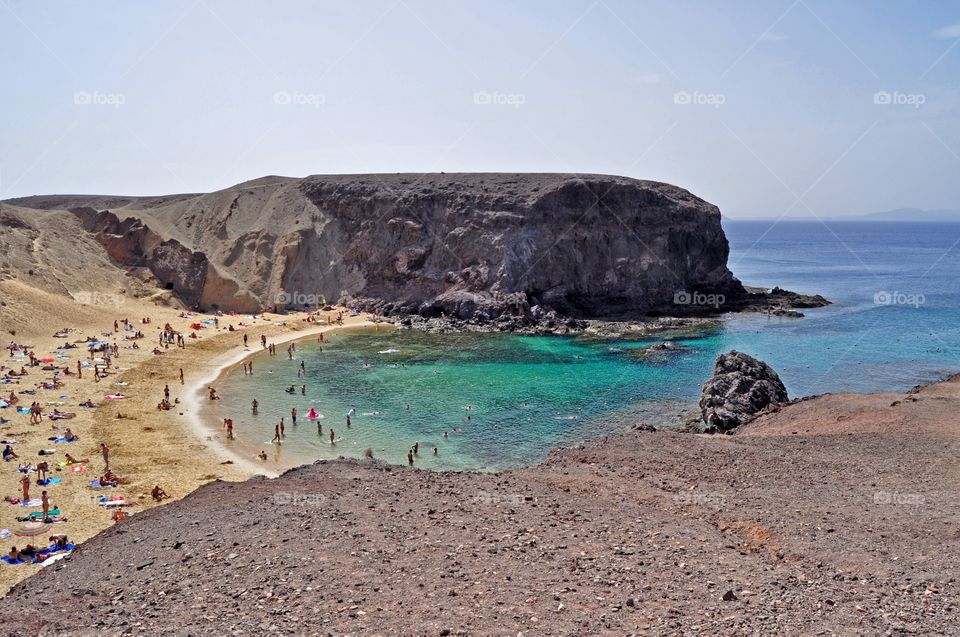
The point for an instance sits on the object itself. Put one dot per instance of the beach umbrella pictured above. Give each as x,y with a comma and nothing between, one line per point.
33,529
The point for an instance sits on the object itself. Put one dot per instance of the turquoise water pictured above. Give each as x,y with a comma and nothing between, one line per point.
524,395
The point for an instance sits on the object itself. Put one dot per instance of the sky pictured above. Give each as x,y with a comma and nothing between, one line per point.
767,108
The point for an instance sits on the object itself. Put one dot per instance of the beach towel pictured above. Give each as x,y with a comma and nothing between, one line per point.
78,468
32,502
5,533
114,397
64,440
53,558
19,560
36,515
49,481
111,501
23,410
3,404
96,484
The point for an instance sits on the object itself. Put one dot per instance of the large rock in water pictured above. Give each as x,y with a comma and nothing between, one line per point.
472,246
741,388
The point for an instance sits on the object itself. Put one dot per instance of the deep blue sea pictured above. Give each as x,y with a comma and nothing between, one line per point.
505,400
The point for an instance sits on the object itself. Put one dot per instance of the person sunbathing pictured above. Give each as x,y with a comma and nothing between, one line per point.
88,403
71,460
9,453
14,554
59,542
105,481
119,515
158,494
69,436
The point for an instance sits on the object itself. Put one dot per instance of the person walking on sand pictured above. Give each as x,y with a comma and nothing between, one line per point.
244,340
105,452
45,503
166,392
228,423
181,375
79,370
25,489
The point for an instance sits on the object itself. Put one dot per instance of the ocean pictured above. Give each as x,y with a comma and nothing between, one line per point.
505,400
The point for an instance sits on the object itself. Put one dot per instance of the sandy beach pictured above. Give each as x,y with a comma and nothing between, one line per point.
148,446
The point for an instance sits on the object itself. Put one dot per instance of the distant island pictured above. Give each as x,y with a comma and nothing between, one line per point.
898,214
911,214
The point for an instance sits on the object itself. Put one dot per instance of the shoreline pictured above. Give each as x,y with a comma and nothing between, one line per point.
194,398
148,446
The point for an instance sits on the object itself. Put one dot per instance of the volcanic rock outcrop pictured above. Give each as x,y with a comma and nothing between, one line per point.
741,388
469,246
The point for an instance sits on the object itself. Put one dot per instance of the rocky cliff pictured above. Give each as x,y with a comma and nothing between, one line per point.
476,246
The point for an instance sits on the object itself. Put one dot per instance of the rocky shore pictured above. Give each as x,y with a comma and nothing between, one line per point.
827,516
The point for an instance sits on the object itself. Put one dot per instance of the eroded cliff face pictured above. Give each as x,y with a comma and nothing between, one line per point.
465,245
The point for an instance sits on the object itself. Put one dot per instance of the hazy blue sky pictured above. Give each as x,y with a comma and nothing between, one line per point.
763,107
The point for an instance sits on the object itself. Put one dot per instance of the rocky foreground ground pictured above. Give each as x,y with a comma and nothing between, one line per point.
837,515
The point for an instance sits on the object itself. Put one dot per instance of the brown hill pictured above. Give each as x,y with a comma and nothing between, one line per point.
467,245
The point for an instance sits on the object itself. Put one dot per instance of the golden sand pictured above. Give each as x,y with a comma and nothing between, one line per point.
148,446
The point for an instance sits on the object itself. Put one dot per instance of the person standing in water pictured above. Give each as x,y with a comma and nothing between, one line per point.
282,435
331,435
276,434
253,406
293,416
